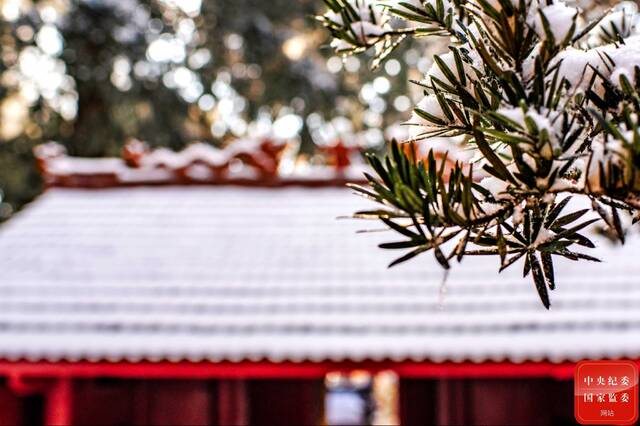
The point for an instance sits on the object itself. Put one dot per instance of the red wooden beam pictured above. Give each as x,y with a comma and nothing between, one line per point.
282,370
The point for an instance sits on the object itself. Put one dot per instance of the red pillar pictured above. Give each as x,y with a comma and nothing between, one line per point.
10,408
58,403
233,403
452,402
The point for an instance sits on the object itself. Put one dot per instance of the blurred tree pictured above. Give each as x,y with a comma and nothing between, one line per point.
91,73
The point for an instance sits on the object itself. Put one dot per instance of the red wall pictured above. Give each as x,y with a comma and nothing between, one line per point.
486,401
294,402
286,402
194,402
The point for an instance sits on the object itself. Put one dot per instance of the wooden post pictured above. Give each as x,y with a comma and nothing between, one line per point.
59,404
9,408
233,403
452,402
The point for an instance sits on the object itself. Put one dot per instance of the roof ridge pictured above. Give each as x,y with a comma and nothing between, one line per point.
246,162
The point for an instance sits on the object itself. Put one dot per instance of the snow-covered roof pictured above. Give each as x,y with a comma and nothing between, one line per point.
236,273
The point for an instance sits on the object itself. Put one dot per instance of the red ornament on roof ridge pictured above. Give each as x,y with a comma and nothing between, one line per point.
244,162
340,154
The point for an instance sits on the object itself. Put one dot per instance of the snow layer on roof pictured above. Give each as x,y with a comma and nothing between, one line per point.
222,273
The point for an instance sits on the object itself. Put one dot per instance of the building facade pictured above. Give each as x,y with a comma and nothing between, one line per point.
209,288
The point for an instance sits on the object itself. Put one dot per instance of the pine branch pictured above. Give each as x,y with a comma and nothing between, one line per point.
548,111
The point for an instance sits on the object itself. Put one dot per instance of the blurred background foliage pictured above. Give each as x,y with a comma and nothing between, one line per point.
92,73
